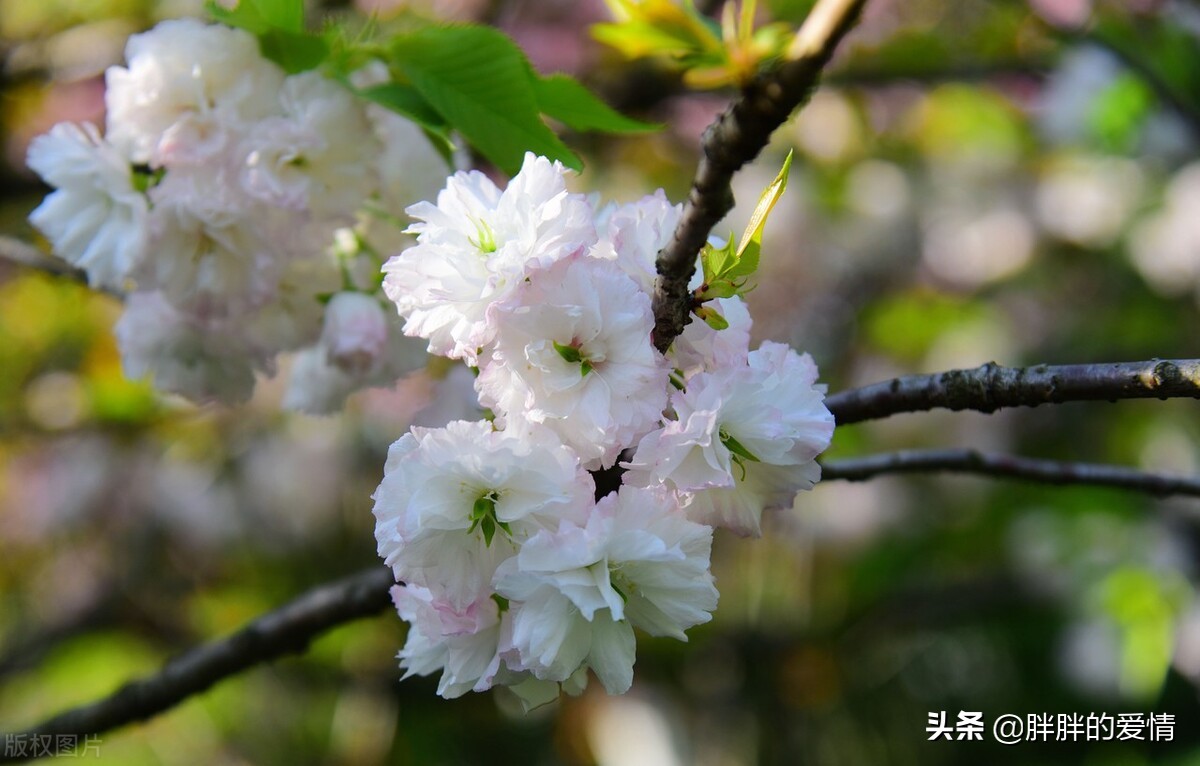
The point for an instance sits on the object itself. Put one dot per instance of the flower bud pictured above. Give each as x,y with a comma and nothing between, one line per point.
355,333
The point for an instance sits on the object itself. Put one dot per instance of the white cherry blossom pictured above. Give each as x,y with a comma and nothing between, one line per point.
633,233
203,361
355,333
573,352
701,348
186,92
476,245
316,157
96,219
577,593
456,501
732,429
463,643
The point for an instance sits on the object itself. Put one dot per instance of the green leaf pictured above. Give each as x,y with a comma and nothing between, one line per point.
406,101
245,15
284,14
279,27
566,100
293,51
659,26
736,447
478,81
636,39
716,260
712,318
568,353
748,250
259,16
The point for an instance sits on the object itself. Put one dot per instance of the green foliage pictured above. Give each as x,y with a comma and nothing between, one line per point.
960,121
661,27
479,81
906,325
1117,115
562,97
407,101
1156,50
727,269
279,27
711,55
1145,607
261,16
465,78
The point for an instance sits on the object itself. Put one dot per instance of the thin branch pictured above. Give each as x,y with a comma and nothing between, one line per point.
736,138
1009,466
25,254
287,630
992,386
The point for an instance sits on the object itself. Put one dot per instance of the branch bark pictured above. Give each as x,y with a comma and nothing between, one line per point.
992,387
25,254
1009,466
736,138
287,630
16,251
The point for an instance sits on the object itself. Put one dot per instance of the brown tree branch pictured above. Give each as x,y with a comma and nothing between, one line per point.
287,630
25,254
736,138
992,386
1009,466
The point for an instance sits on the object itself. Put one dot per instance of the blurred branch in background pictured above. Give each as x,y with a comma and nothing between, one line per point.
1008,466
25,254
287,630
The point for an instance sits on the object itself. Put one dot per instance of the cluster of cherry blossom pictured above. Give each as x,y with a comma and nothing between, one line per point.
513,572
213,201
220,201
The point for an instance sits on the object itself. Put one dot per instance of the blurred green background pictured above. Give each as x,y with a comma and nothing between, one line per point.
976,181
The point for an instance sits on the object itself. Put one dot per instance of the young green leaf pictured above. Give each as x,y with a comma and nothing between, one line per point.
478,81
712,318
562,97
727,270
751,244
647,27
